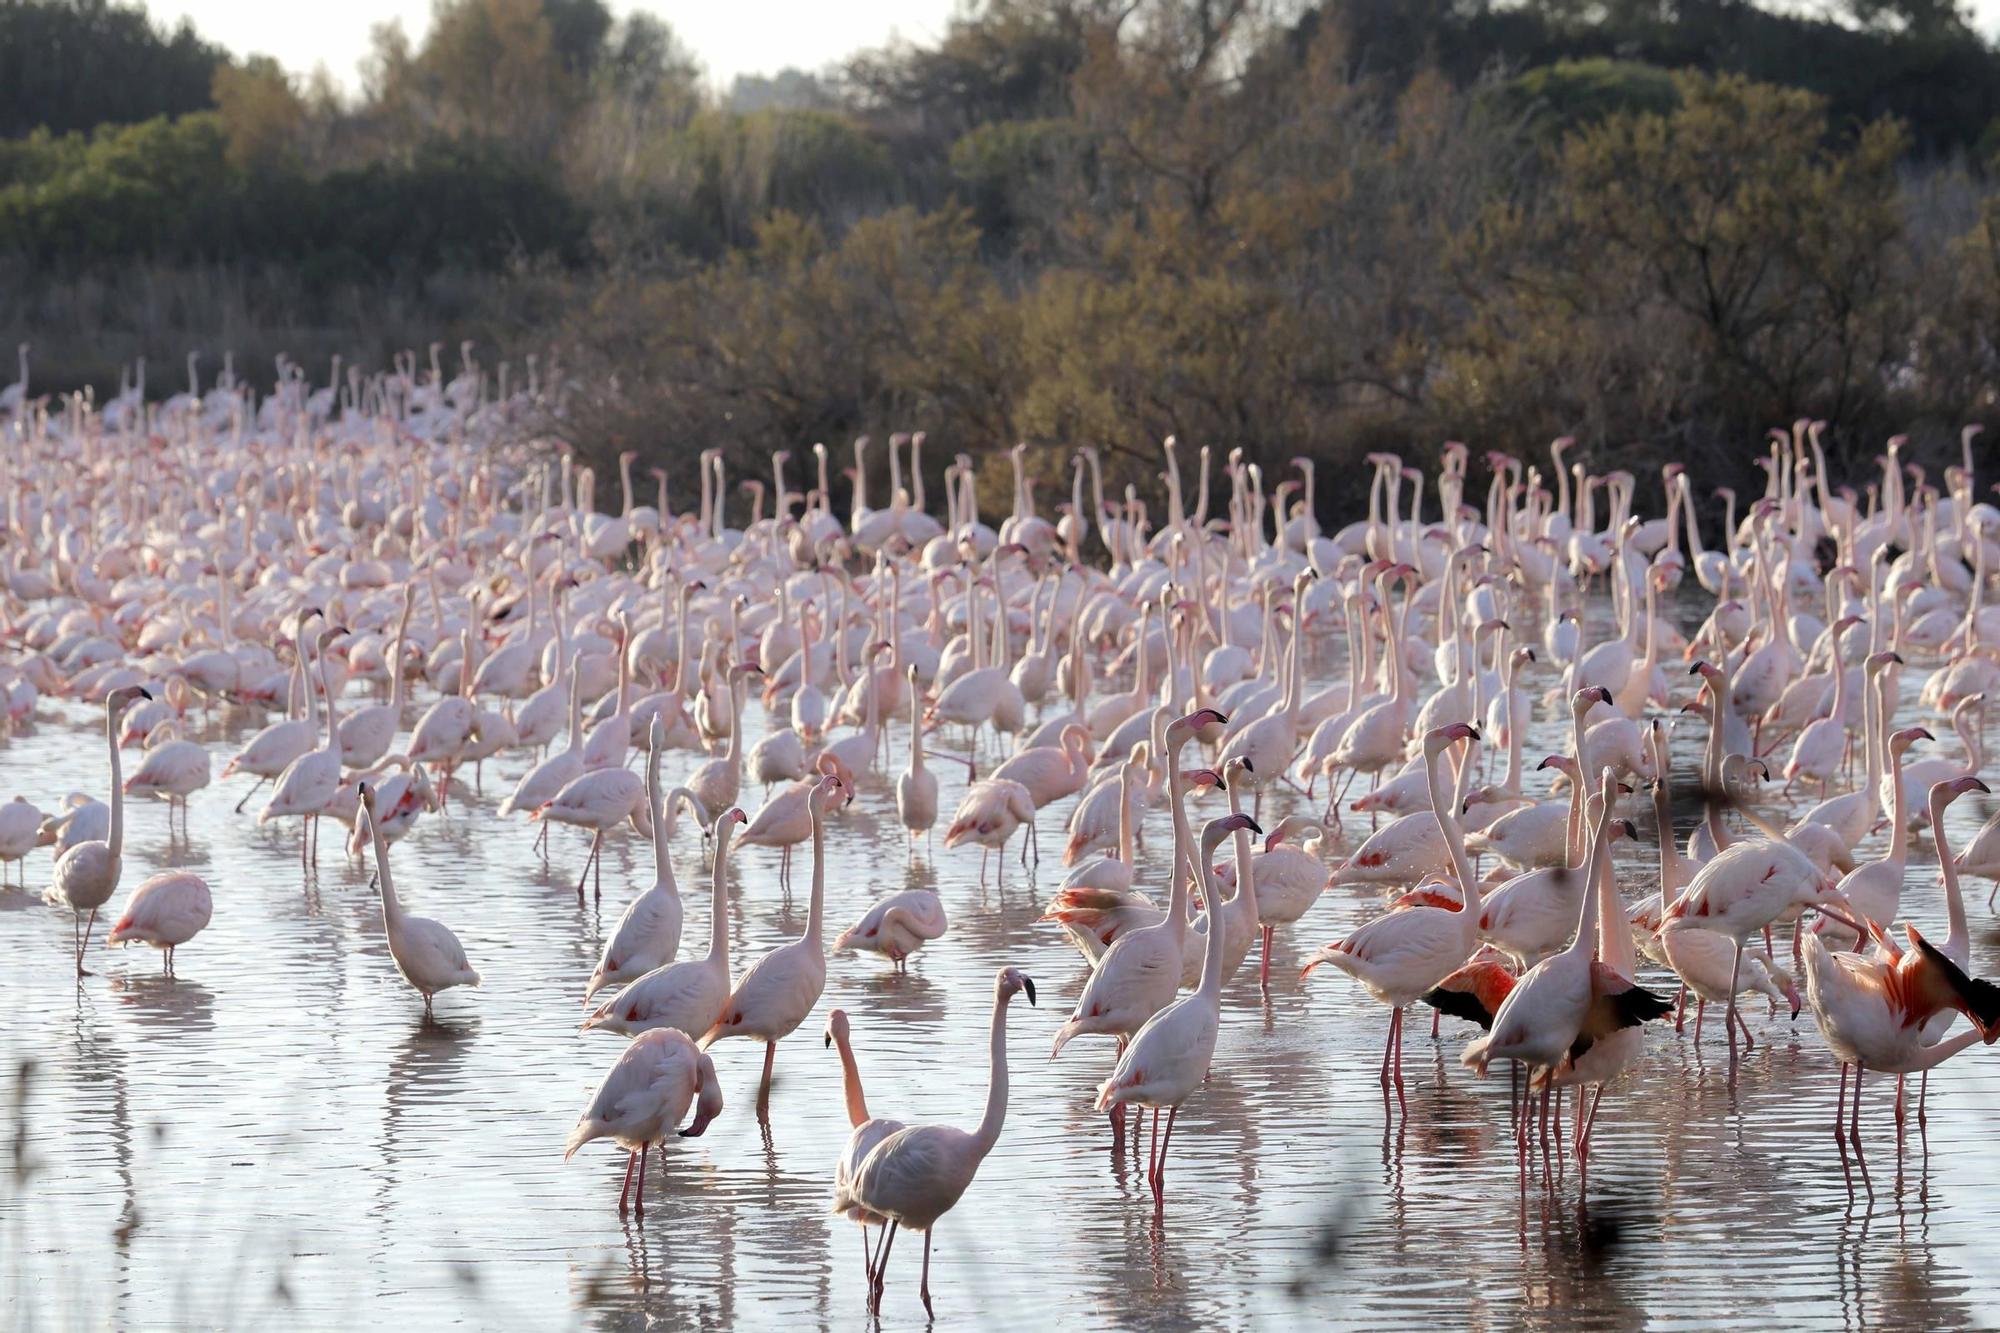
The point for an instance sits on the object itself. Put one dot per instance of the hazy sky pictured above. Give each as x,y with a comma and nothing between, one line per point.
730,36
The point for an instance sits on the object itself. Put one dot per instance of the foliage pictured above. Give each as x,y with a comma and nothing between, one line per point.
74,64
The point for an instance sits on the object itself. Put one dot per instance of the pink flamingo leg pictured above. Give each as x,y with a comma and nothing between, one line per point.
882,1269
924,1287
640,1208
626,1188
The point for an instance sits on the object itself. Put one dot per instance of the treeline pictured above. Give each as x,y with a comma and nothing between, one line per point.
1253,224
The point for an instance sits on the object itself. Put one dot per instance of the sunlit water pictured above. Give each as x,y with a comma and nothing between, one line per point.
279,1135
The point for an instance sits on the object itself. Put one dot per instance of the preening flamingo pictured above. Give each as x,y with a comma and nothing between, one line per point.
166,911
643,1099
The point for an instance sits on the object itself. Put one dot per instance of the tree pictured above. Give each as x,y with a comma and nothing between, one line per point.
261,114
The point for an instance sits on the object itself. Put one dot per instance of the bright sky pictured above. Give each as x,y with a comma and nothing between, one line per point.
730,36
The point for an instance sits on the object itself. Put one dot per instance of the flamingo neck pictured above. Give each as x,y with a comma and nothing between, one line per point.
988,1132
815,913
718,927
116,840
850,1081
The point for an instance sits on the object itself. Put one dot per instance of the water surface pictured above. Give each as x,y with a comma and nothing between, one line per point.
278,1134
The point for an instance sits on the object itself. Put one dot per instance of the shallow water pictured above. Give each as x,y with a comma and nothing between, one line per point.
278,1133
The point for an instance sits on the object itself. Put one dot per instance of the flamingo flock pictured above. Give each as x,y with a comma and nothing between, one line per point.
406,580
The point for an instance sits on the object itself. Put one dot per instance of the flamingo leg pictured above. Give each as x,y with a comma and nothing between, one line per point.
1923,1091
88,926
595,839
1735,969
639,1206
882,1268
1402,1101
1840,1102
1264,964
631,1160
1681,1010
924,1287
1160,1171
253,791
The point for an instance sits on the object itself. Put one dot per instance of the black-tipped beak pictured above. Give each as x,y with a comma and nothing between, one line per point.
829,1041
1248,767
1028,985
1251,824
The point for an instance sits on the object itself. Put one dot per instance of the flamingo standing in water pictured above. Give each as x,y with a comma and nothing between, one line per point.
1545,1015
865,1133
1140,972
687,995
1168,1058
779,990
916,786
649,933
425,951
917,1175
644,1097
1402,956
86,875
166,911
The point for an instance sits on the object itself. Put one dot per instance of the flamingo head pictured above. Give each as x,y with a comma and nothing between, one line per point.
1587,696
1909,736
1012,981
1199,718
836,1027
1438,738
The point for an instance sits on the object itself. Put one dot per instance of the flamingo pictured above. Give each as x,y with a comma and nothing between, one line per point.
648,934
1168,1058
688,995
916,786
166,911
644,1097
1543,1017
1873,1010
20,830
918,1174
173,769
599,800
86,875
988,814
426,952
865,1133
896,926
779,990
1403,955
309,783
367,734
